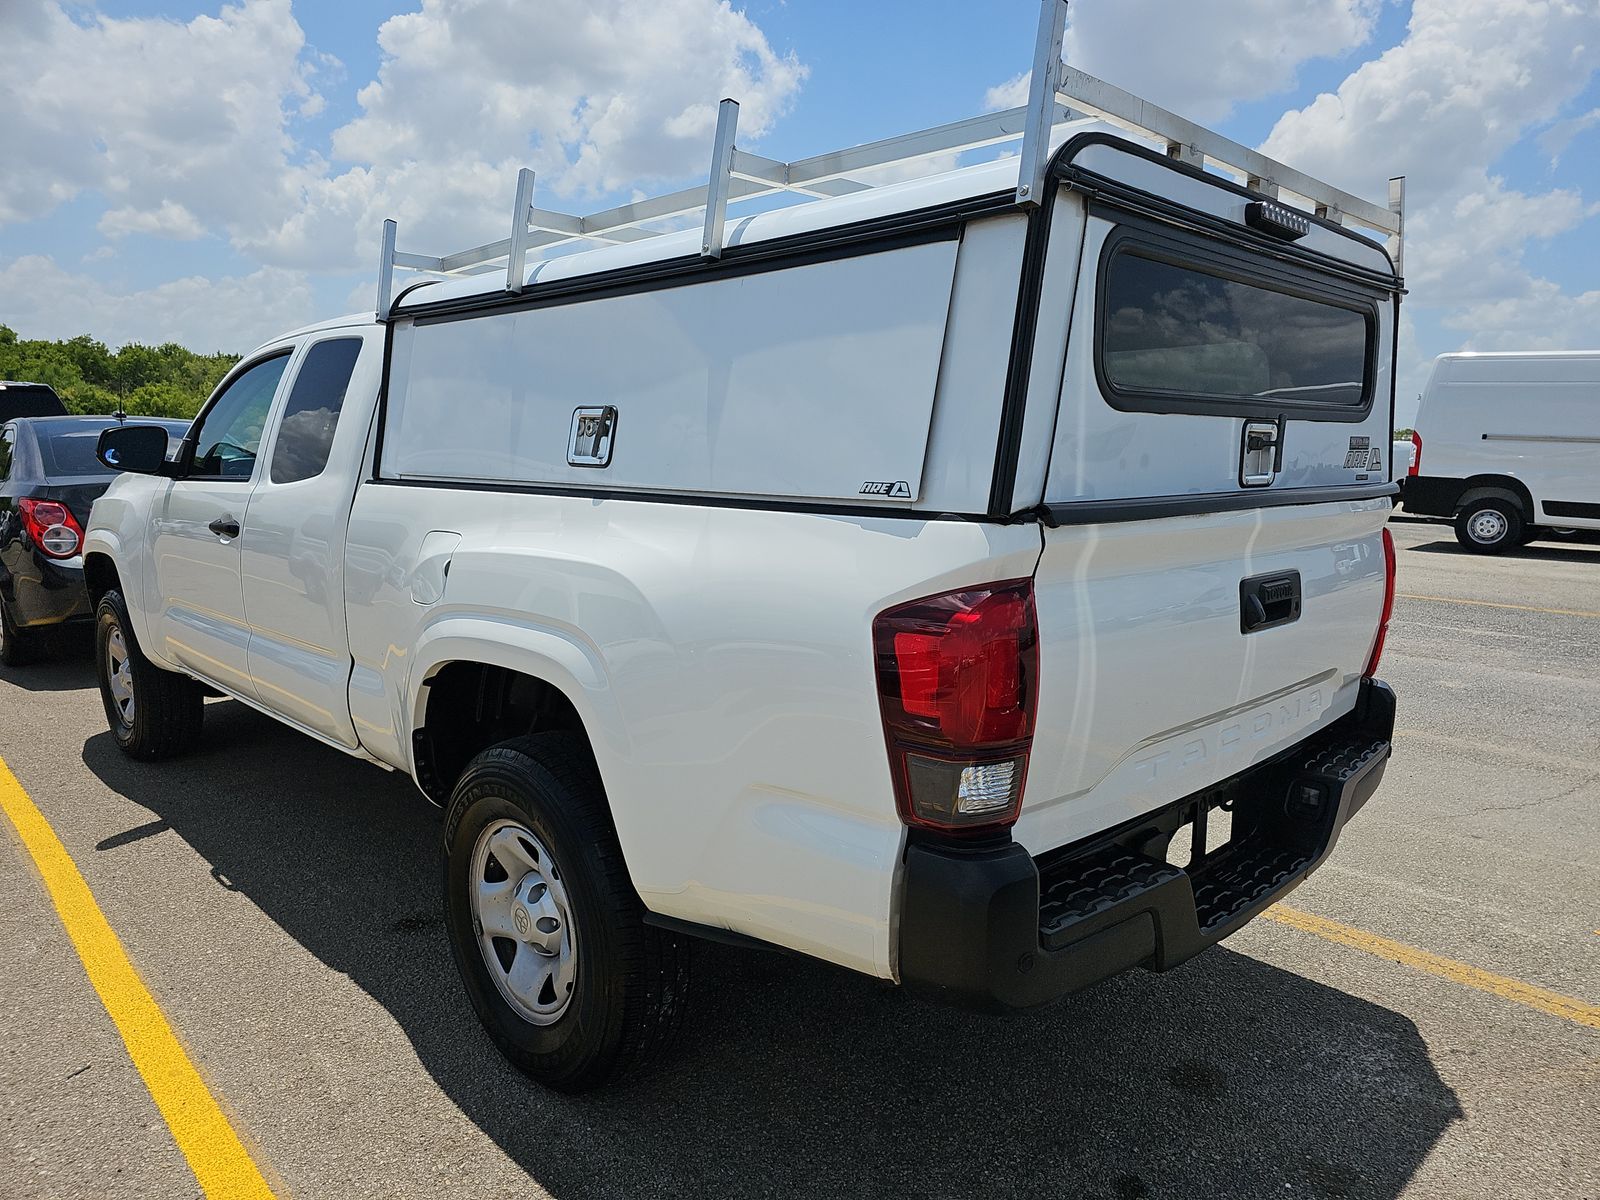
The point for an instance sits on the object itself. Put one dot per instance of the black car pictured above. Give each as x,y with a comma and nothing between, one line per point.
49,476
29,400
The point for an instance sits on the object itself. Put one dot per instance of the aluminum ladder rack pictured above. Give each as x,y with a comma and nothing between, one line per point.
1058,92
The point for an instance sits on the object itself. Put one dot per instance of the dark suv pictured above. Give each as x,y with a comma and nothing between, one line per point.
49,476
29,400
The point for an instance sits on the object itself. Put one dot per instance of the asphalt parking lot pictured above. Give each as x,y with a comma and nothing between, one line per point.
280,902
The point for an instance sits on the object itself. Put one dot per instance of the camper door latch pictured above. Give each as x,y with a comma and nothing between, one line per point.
1260,452
594,432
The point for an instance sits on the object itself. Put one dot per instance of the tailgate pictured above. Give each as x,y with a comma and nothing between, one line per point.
1148,688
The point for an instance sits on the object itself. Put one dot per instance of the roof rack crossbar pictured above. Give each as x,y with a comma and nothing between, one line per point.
1058,93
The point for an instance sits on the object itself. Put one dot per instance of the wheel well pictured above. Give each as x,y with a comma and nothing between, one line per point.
99,576
1480,486
472,706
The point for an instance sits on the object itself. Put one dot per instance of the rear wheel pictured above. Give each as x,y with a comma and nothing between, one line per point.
1489,526
16,646
547,931
152,713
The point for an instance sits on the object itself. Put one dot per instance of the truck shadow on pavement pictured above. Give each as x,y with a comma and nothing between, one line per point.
1226,1078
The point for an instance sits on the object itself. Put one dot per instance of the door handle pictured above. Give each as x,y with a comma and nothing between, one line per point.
225,526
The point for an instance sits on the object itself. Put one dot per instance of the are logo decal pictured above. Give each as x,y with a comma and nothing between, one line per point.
898,489
1356,458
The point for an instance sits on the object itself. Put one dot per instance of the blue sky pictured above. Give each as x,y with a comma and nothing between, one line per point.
212,173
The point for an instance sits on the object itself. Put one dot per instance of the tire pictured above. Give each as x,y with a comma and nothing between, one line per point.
1531,533
17,647
602,993
1489,526
152,713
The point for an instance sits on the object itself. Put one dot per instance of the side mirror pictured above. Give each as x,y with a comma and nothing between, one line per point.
138,448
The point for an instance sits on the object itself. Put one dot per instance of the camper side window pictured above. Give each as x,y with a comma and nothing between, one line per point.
1198,334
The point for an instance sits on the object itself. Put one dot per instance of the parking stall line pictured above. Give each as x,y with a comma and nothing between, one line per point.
1568,1008
208,1140
1554,612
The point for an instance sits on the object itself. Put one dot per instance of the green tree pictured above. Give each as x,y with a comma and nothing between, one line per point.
160,400
167,380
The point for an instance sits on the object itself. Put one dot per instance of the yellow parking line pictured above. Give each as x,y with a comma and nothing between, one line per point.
1555,612
219,1160
1554,1003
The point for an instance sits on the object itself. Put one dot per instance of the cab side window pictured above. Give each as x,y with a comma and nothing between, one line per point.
310,418
227,437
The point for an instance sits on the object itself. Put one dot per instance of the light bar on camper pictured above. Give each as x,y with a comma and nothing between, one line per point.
1276,219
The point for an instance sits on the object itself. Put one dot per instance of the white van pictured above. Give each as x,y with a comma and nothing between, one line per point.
1509,445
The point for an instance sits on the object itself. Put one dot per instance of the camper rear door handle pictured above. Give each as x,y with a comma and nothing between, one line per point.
1258,452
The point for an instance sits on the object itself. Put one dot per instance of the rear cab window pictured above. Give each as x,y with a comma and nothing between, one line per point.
311,416
1190,327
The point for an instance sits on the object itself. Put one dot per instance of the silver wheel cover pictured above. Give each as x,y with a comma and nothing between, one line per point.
119,675
523,922
1487,526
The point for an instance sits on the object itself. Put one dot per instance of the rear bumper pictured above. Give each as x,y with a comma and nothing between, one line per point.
49,592
1433,495
993,927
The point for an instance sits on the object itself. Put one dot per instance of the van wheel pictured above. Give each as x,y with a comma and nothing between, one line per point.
152,713
1489,526
17,648
547,931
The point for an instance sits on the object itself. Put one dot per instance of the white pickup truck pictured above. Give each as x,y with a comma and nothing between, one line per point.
976,581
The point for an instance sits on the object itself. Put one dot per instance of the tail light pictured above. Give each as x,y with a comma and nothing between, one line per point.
53,529
958,683
1416,454
1388,605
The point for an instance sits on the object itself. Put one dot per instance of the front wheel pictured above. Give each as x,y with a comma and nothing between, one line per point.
547,931
152,713
1489,526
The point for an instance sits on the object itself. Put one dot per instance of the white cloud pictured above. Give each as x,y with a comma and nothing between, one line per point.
1470,80
1013,93
165,220
1201,57
595,95
181,126
1544,317
40,299
1555,140
188,129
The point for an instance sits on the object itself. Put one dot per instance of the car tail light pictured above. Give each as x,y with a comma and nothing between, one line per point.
958,685
53,529
1388,605
1416,454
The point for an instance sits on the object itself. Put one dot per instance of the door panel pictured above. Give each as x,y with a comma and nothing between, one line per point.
195,549
292,558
